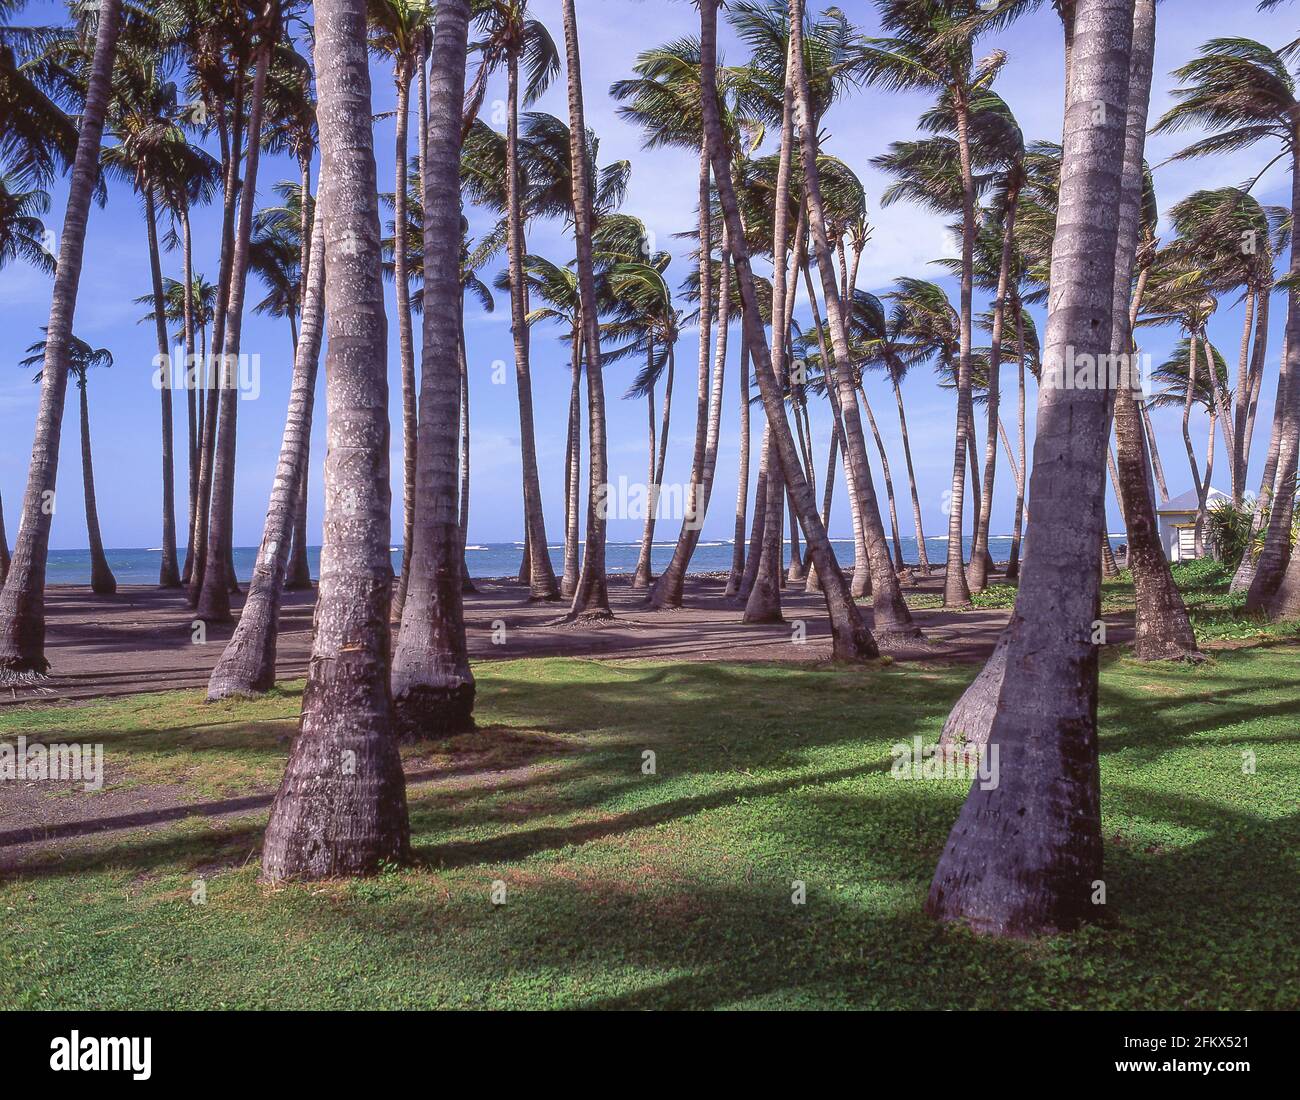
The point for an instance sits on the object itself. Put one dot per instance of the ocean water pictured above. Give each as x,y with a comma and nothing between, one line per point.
493,559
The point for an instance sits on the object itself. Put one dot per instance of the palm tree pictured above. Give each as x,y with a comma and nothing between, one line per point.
1038,876
22,602
214,569
591,597
851,638
341,807
513,38
893,621
247,664
931,48
433,687
39,138
22,232
82,358
398,32
1241,91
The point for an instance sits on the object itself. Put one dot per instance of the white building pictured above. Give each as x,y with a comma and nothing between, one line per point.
1177,520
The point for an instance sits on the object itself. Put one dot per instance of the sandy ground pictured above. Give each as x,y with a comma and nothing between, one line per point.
146,639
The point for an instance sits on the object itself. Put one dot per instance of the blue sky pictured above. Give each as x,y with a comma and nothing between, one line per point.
125,407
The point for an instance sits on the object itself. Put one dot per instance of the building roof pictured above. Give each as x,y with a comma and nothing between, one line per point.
1187,501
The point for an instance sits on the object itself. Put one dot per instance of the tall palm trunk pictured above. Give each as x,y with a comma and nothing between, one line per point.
214,593
193,408
759,523
466,582
299,568
668,590
1273,559
247,664
22,603
1245,573
433,687
899,563
231,139
1163,628
1022,474
658,454
979,555
405,335
168,571
763,602
1025,854
923,558
341,807
573,467
742,479
851,640
102,581
892,619
541,575
956,591
591,598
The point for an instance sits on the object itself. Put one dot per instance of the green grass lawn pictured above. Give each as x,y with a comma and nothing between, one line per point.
674,889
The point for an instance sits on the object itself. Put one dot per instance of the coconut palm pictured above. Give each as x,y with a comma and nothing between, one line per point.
22,232
398,33
39,138
341,807
22,602
510,37
1242,92
851,638
433,687
82,359
931,47
1039,876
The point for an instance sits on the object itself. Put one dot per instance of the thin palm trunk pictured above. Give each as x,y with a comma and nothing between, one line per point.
573,467
668,590
851,640
299,568
591,598
742,479
214,595
1025,854
466,581
899,563
892,619
1245,573
1018,521
979,557
247,664
433,687
231,139
923,558
541,575
192,398
341,807
22,603
102,581
168,571
405,334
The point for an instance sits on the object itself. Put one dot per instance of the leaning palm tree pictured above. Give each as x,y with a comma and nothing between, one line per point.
1242,91
22,602
247,664
513,39
433,687
341,806
850,636
930,47
1038,876
82,359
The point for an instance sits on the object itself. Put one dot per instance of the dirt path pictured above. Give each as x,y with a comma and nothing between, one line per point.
145,639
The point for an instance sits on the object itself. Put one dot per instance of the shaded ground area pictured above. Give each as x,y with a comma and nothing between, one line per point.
671,889
144,638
